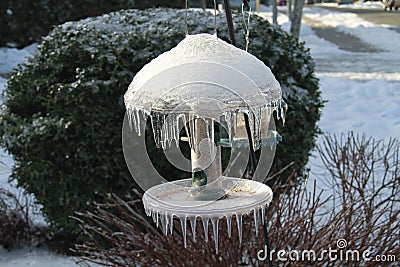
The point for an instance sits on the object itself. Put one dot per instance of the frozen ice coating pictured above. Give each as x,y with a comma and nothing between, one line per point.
199,85
205,48
203,76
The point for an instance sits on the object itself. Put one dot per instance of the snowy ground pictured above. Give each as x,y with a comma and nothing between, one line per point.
362,89
35,257
356,5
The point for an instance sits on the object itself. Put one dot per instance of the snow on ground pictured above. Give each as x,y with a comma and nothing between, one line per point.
371,107
11,57
362,89
357,5
34,257
330,58
351,23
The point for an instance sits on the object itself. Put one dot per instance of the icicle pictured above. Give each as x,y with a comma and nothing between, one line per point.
235,121
162,130
164,223
212,131
208,131
177,130
166,131
263,215
214,223
187,129
183,225
171,224
255,213
229,125
277,108
283,109
229,225
258,127
239,225
193,225
155,124
166,134
171,128
232,125
157,219
205,226
135,120
194,130
137,116
129,114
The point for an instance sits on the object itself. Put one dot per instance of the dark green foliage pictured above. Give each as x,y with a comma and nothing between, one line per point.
4,18
27,21
159,3
63,111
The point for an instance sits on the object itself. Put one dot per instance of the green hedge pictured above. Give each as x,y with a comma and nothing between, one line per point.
26,21
4,20
64,109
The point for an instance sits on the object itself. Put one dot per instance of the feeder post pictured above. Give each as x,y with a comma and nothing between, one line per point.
207,157
201,153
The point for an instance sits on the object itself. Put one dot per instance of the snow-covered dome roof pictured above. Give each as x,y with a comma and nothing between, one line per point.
202,77
203,66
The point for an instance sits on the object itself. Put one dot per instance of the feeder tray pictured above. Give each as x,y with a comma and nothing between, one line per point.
171,200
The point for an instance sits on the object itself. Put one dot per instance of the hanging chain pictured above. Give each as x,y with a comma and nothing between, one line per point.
186,18
215,17
246,25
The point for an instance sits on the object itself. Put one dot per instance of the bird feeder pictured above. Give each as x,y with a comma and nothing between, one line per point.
206,87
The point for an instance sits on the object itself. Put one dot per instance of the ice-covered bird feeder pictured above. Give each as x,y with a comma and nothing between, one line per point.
205,86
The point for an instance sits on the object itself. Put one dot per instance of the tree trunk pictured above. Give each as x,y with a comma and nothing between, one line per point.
296,18
289,8
257,6
274,12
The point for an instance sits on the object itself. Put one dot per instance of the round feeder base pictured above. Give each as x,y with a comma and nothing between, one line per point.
167,201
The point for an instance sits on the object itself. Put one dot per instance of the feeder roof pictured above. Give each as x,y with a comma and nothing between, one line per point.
199,68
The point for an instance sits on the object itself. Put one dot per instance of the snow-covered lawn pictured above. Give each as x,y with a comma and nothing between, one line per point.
34,257
357,5
11,57
362,89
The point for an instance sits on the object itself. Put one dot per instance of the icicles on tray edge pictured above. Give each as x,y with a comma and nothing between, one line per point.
167,223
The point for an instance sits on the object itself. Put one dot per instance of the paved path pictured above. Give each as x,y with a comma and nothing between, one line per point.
355,55
373,15
343,40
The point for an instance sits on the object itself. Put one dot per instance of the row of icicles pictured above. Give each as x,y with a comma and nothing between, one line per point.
165,220
167,127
